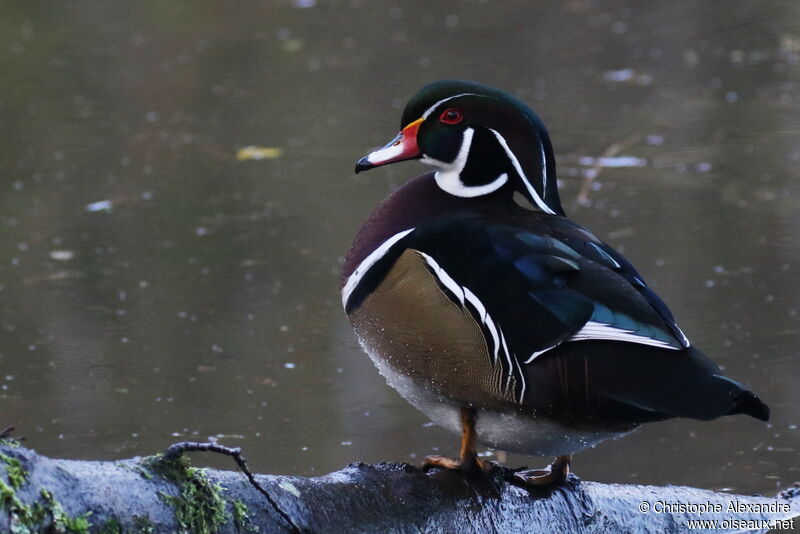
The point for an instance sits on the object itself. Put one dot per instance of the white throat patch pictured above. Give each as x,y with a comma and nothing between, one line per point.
448,177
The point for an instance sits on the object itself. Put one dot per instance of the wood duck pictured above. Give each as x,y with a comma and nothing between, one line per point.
490,311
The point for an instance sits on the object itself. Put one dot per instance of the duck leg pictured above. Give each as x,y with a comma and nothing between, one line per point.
552,475
468,459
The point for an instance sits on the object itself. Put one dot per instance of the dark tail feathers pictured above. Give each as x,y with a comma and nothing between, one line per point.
748,403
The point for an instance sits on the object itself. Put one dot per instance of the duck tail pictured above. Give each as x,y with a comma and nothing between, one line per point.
748,403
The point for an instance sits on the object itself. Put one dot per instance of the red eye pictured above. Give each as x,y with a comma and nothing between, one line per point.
451,116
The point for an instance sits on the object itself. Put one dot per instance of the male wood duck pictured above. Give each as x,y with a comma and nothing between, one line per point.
497,316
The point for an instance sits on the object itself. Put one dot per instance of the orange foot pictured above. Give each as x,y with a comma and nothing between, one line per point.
470,464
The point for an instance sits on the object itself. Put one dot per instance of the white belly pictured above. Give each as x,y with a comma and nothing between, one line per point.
515,432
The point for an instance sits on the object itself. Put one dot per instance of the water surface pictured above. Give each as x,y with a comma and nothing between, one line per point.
156,288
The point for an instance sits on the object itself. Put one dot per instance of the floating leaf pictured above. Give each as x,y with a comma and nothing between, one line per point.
62,255
293,45
258,152
614,161
100,205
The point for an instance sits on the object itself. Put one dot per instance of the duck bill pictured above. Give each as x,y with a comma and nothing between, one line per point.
401,148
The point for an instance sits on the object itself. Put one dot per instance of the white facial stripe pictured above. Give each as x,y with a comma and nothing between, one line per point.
448,178
534,195
595,330
442,101
369,261
451,182
457,165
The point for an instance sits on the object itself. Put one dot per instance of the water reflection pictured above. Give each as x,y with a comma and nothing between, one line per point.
156,287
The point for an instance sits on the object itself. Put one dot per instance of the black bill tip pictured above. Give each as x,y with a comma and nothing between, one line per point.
364,165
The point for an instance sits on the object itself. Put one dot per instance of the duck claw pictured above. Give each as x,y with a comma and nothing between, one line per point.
554,474
443,462
471,465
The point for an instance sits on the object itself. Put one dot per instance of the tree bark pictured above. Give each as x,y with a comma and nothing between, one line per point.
164,494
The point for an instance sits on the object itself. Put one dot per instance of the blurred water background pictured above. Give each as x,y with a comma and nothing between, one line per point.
155,287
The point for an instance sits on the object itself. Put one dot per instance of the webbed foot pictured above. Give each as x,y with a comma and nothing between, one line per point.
553,475
468,461
470,464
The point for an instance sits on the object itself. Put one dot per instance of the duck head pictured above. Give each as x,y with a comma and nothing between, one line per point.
480,140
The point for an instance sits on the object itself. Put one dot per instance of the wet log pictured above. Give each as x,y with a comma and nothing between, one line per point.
163,493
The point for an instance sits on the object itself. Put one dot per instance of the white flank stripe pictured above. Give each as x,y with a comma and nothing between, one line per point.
445,278
495,339
508,359
544,170
540,352
369,261
534,195
595,330
608,257
475,301
505,347
442,101
684,339
463,295
522,381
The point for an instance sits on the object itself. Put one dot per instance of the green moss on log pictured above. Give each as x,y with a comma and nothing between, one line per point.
9,441
143,525
242,518
17,476
112,526
199,506
46,513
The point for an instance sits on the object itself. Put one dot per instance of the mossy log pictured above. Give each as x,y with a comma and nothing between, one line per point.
163,493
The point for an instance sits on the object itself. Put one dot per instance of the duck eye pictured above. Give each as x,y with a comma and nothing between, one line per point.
451,116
